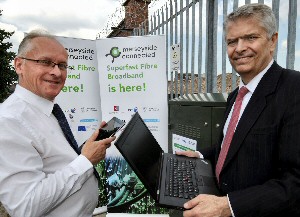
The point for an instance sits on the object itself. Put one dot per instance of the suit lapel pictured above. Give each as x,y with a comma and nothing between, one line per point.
256,105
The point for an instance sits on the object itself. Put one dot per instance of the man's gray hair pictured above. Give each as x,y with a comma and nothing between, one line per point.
26,46
261,12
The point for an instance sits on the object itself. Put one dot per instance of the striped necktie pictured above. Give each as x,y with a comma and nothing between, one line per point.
230,131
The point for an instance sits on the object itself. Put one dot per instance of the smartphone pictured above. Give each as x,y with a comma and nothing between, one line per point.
110,129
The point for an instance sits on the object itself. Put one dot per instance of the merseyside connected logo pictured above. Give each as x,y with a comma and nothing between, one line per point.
114,52
148,51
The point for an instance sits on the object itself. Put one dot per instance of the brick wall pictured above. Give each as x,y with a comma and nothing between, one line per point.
136,13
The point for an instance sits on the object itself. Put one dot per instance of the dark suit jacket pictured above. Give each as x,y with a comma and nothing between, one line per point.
261,173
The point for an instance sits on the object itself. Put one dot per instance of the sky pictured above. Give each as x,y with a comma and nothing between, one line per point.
85,19
69,18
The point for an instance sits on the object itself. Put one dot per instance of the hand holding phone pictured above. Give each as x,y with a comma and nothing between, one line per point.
111,128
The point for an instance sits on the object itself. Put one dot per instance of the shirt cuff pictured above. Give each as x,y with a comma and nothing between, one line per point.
232,214
81,164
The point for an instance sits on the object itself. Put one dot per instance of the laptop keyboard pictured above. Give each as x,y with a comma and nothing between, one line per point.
181,180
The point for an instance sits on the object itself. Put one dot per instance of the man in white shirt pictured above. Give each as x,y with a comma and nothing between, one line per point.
256,158
41,174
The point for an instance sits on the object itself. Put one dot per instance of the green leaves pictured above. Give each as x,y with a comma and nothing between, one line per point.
8,76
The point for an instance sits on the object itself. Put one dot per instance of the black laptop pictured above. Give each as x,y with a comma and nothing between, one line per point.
170,179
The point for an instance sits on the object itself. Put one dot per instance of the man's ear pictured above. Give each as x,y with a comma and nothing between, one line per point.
18,63
274,40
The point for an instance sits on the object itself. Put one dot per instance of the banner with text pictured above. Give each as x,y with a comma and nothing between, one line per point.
79,98
132,77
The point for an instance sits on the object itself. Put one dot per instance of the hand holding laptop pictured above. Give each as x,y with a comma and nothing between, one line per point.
188,153
207,205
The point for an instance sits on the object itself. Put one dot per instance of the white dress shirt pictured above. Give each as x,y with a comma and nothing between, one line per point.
41,175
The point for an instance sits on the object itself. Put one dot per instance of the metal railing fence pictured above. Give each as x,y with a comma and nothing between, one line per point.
196,25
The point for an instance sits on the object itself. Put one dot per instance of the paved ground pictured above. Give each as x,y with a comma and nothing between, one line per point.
100,215
3,213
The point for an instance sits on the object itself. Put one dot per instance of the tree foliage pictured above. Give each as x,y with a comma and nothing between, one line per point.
8,76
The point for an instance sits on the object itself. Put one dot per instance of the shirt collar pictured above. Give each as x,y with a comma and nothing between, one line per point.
42,104
251,86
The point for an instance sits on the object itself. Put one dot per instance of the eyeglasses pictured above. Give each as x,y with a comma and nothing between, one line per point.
49,63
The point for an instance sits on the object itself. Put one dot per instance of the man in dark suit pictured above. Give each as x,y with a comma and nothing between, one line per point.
259,173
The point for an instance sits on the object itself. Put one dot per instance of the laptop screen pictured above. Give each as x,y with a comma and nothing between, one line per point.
142,152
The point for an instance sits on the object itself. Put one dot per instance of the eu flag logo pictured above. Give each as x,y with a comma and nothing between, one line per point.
116,108
81,128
